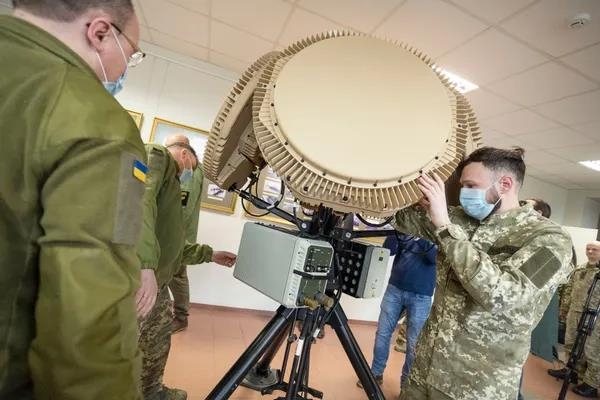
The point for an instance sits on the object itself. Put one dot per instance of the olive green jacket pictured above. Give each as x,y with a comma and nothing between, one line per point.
192,191
162,246
70,216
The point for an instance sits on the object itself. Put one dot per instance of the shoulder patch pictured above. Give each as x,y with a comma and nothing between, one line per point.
128,217
541,267
140,170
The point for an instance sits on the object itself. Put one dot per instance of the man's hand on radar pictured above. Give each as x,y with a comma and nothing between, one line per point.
224,258
146,294
435,199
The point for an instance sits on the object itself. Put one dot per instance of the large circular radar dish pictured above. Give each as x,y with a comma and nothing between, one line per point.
350,121
232,153
340,102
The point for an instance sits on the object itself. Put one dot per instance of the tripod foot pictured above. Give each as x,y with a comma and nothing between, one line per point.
586,390
258,381
560,374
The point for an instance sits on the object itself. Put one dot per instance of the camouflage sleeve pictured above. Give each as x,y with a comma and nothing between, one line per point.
149,248
543,262
565,293
415,221
195,253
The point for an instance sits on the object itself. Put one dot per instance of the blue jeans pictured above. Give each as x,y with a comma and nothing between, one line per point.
394,302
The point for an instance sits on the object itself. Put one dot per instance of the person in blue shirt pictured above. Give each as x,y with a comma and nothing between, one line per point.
409,289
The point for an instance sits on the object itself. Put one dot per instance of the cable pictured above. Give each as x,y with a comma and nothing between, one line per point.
253,183
381,225
250,213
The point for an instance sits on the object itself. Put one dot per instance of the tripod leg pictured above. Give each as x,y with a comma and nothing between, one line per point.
304,368
262,376
563,389
264,365
339,322
248,359
297,365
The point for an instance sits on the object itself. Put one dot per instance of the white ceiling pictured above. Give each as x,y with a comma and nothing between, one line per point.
539,79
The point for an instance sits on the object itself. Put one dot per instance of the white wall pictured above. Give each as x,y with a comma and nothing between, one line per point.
190,92
590,214
551,194
581,237
584,208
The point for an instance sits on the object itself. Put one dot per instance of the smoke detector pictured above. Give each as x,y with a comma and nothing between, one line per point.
579,20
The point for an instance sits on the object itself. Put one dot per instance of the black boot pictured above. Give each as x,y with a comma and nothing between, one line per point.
178,325
585,390
561,373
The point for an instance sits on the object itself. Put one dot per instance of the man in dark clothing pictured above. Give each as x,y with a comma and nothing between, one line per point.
410,289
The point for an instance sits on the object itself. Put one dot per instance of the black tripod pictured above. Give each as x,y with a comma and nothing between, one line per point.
253,365
268,341
585,328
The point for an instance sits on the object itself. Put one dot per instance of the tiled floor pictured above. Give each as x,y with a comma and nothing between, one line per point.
215,338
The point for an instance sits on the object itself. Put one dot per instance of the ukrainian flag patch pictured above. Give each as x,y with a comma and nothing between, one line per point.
139,171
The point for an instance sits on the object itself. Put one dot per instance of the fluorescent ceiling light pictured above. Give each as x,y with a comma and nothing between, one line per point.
592,164
462,85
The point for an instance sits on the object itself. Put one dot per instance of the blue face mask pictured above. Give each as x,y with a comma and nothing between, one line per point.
474,203
114,87
186,176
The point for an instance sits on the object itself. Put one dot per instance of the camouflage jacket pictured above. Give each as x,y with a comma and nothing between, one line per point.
495,279
575,292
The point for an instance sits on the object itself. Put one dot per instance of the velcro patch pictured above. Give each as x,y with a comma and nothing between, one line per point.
503,250
128,216
541,267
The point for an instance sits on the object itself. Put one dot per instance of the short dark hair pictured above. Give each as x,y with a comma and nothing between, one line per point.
541,206
69,10
497,160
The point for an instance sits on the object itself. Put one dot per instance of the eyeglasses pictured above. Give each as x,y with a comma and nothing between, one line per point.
185,146
138,55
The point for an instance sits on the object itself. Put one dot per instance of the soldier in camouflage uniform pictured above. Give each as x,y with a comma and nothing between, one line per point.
162,250
564,295
576,292
498,265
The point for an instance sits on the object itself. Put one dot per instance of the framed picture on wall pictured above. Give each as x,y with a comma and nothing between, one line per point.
137,118
213,197
269,189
